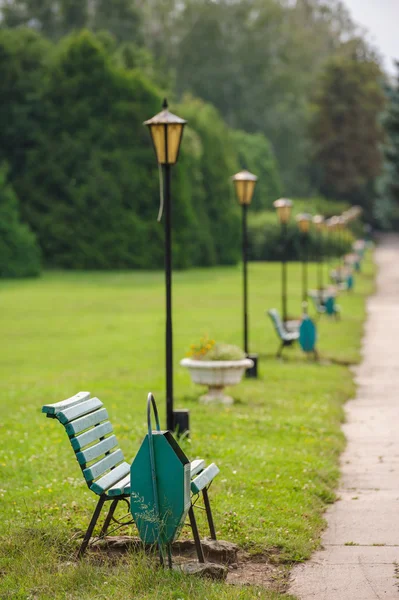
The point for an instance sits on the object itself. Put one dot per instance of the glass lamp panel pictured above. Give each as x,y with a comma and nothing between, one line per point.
240,190
249,191
304,225
159,141
284,213
175,133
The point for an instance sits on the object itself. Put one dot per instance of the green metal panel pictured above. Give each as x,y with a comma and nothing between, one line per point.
79,410
173,484
53,409
103,465
90,436
104,483
85,422
97,450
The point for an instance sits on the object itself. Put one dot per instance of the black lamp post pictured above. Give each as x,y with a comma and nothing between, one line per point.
166,132
283,207
304,221
245,183
331,225
318,222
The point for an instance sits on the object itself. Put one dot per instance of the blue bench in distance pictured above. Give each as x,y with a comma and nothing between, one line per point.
287,338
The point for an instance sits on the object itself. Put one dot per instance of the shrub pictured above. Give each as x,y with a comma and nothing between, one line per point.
19,252
265,240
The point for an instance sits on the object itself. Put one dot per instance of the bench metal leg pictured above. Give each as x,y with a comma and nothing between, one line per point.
108,518
280,350
90,529
197,541
209,513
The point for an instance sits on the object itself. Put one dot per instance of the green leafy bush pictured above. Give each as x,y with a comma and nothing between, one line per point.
266,243
19,252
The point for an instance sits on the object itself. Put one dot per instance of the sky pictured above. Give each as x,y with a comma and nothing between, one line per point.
381,19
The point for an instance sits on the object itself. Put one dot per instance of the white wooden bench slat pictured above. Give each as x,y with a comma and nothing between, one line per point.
104,483
52,409
121,487
79,410
196,466
204,478
90,436
85,422
100,467
97,450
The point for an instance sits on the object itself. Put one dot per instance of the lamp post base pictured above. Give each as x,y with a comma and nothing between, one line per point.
181,421
252,372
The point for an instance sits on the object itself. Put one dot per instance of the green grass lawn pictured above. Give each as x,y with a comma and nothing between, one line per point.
277,447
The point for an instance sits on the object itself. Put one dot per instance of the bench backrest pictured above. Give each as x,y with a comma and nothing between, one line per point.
91,435
277,322
317,304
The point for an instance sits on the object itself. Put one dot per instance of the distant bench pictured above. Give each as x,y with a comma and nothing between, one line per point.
104,468
287,338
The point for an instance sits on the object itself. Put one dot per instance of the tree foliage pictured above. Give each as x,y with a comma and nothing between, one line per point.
19,251
386,209
84,167
346,130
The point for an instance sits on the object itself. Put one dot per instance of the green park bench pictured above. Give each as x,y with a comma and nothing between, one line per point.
327,307
105,470
287,338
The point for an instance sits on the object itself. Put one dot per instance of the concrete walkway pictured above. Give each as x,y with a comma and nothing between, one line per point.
361,544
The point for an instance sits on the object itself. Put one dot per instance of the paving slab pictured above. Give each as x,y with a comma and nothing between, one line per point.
360,547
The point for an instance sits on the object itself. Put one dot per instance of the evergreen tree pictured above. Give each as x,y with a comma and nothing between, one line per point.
346,129
386,210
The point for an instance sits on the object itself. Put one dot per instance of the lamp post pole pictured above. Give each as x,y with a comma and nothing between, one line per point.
245,275
283,207
305,237
284,272
168,285
318,222
245,183
304,220
166,131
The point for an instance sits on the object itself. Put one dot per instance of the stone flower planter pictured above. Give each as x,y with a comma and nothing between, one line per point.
216,375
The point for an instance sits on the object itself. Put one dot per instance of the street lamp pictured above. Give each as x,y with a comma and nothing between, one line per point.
304,221
283,207
166,132
318,222
245,183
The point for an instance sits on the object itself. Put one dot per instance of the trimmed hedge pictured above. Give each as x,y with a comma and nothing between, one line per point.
266,243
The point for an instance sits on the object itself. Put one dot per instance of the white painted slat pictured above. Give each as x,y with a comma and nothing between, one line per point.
104,483
85,422
53,409
204,478
97,432
79,410
121,487
103,465
97,450
196,466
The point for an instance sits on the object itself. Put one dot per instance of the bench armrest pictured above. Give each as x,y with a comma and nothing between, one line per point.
204,478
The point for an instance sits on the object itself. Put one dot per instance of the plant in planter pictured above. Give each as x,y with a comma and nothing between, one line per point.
216,365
